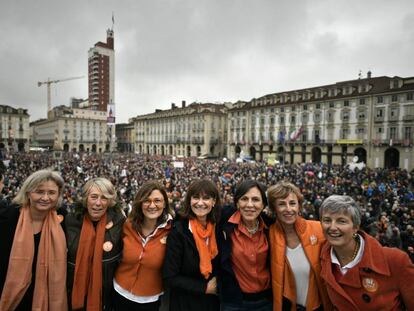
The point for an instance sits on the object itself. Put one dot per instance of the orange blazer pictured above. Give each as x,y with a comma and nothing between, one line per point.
383,279
283,280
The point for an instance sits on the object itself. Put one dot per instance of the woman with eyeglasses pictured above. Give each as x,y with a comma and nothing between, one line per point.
93,234
138,279
33,246
244,275
191,260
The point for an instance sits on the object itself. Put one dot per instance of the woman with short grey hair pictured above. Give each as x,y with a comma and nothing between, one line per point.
358,271
94,237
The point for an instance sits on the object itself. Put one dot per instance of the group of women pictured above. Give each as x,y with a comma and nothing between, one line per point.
259,254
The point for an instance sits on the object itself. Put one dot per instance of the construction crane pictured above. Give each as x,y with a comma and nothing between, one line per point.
48,83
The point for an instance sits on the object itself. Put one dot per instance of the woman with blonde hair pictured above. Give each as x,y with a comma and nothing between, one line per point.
295,249
33,246
138,279
93,234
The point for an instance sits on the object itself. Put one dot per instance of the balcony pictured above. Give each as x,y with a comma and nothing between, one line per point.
408,142
408,118
198,141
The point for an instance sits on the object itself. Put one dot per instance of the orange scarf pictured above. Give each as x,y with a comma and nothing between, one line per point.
50,284
206,252
88,267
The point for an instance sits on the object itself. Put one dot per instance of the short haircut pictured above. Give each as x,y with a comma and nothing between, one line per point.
34,181
245,186
202,187
342,204
280,191
103,185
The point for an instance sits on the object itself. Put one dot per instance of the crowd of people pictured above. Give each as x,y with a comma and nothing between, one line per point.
123,230
385,195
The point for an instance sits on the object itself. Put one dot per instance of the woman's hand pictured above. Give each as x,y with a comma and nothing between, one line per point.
212,286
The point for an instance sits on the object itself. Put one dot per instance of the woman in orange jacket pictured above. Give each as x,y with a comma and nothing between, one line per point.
295,245
138,279
360,273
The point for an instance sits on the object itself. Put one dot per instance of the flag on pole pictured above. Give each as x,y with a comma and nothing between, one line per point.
296,133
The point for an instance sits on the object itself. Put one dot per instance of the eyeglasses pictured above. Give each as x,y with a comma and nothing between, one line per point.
42,193
157,202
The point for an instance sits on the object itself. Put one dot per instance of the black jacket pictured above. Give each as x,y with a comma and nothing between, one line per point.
9,215
181,272
228,286
110,260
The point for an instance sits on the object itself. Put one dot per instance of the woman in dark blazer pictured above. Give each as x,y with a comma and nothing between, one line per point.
192,240
33,246
94,240
242,237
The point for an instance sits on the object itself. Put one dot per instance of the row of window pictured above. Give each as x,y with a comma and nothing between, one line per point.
345,103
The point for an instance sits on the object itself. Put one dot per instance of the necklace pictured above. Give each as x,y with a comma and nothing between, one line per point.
343,260
357,244
253,230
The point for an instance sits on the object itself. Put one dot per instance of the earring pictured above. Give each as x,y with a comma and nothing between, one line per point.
355,235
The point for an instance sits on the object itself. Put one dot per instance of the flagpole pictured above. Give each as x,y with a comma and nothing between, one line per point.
113,20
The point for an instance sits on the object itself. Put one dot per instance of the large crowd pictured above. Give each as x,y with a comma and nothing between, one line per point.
386,195
136,232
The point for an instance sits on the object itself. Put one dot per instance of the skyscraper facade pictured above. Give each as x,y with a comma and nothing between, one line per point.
101,73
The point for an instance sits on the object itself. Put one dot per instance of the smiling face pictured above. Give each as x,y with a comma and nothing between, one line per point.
250,205
153,206
287,209
97,204
201,205
338,228
44,197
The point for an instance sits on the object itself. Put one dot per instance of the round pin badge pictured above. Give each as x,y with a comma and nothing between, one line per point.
163,240
109,225
107,246
370,284
313,239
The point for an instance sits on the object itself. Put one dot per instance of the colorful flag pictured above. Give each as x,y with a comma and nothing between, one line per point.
295,134
281,137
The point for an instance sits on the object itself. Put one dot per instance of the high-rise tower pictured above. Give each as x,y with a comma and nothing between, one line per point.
101,73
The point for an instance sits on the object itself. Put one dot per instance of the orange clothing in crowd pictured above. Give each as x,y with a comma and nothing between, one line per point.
382,280
249,255
283,280
141,275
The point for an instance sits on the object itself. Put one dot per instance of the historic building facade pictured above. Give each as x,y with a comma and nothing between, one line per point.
370,118
193,130
71,129
125,137
14,129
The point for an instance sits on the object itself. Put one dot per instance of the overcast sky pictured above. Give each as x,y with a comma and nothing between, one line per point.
198,50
